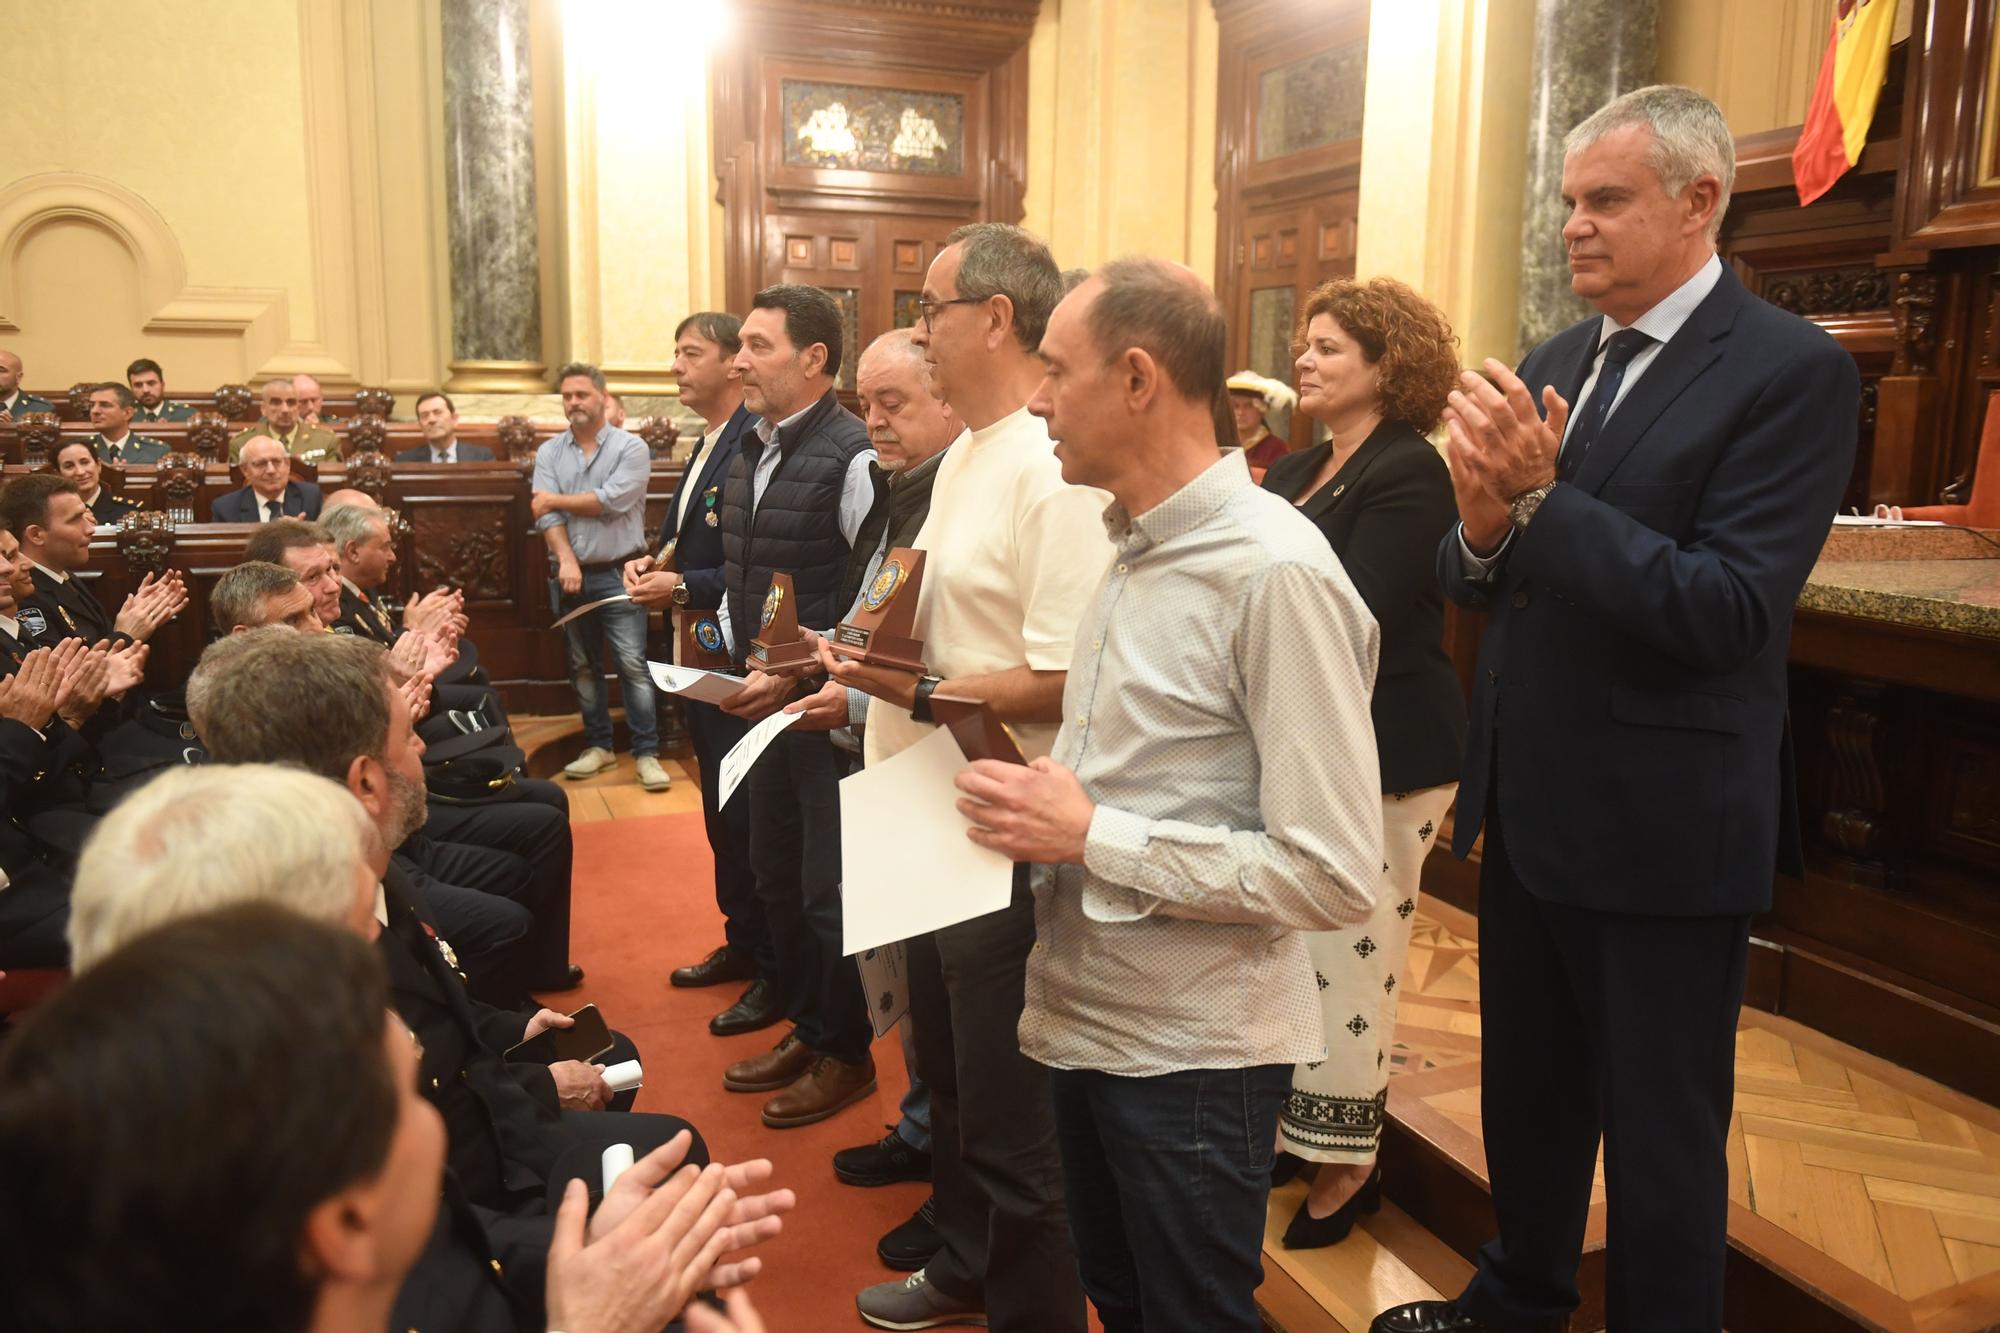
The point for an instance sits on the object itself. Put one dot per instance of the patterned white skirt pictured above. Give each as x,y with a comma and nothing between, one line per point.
1334,1113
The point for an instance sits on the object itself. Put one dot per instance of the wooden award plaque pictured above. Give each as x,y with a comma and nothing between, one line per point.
978,733
698,640
879,633
778,643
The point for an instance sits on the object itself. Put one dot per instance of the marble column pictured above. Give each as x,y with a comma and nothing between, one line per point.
1586,53
490,215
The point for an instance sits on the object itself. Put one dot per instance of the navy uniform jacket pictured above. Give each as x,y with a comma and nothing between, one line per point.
698,553
65,610
109,508
1632,675
302,500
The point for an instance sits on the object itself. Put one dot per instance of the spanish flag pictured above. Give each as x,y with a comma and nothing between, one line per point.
1843,101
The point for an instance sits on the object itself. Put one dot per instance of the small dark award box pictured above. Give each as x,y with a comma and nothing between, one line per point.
778,643
879,633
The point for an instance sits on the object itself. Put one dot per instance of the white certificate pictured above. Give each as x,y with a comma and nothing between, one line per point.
742,756
906,864
885,980
710,687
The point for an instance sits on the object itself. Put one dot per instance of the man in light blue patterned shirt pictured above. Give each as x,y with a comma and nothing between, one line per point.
1214,791
589,504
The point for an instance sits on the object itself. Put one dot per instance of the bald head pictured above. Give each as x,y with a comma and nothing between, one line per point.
10,373
908,421
311,397
349,496
266,466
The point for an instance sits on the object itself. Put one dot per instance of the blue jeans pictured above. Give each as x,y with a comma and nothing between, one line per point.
625,625
915,1126
1168,1179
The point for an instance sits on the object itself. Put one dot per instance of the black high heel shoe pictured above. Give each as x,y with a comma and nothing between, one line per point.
1285,1167
1312,1233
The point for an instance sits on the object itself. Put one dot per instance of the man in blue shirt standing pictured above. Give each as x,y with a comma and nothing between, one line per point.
589,505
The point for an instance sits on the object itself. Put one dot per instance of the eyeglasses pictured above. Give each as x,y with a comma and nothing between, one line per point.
928,309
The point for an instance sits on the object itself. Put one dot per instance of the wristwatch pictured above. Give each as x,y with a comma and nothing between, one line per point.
920,709
679,594
1523,506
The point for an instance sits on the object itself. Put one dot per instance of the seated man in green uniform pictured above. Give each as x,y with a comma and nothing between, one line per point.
111,406
16,403
149,385
313,444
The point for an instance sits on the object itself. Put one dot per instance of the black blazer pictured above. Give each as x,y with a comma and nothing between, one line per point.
467,453
699,552
302,500
1382,513
109,508
1637,628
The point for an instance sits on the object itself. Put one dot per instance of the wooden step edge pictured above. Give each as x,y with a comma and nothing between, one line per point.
1388,1260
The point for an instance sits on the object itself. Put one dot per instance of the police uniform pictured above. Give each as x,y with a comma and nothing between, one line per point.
310,444
39,768
459,687
65,609
23,403
164,412
136,448
108,508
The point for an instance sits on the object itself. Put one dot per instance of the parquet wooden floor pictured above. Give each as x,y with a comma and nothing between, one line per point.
1879,1187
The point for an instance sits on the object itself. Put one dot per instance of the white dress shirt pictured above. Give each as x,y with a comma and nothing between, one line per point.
1660,323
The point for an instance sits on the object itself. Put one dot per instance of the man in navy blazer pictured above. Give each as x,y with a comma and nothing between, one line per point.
438,419
1637,554
269,469
705,348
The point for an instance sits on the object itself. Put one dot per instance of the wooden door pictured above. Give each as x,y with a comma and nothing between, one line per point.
873,265
1288,250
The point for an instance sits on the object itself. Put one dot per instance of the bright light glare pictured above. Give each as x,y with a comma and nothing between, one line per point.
618,30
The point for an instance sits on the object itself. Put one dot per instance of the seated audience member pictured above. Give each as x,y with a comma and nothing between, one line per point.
305,1200
47,516
39,754
111,412
258,593
271,493
312,399
1252,398
280,422
149,389
438,420
16,402
614,411
76,463
305,548
1213,794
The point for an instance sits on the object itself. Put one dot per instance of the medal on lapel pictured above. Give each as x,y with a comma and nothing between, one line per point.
708,505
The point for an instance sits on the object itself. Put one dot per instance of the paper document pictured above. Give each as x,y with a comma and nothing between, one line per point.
1861,521
885,980
709,687
742,756
906,864
588,607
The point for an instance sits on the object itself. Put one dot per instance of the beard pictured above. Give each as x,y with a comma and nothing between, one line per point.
411,808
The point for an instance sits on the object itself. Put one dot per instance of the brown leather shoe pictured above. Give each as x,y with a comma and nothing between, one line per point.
826,1088
776,1068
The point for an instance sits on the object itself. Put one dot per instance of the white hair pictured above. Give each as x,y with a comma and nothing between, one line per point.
1691,138
196,839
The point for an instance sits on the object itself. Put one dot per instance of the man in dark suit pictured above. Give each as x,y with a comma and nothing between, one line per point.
686,574
1638,554
439,421
272,493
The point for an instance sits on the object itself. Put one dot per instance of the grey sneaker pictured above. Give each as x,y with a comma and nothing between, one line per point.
592,761
912,1302
652,776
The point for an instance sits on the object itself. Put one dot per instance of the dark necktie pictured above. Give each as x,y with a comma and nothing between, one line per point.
274,508
1624,345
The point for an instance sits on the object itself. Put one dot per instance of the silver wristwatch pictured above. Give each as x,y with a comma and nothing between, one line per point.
1523,506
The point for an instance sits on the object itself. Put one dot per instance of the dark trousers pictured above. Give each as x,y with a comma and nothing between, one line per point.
713,732
538,833
995,1168
1168,1181
794,795
1624,1026
487,930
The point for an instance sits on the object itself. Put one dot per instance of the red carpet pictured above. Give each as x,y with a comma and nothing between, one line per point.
644,904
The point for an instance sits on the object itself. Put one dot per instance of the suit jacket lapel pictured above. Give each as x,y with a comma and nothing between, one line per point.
1344,480
1679,364
732,431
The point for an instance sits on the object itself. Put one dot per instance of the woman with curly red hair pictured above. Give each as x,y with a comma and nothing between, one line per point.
1376,362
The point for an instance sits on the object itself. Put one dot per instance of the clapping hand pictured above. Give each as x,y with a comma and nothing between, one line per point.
85,681
156,601
127,667
29,695
416,693
755,1217
1499,436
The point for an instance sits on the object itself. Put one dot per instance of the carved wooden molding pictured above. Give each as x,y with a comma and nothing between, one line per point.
369,473
517,433
1845,291
1915,306
237,402
146,540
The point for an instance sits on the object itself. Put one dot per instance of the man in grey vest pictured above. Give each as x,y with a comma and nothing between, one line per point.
793,503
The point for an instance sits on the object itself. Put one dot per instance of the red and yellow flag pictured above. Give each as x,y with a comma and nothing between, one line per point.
1843,100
